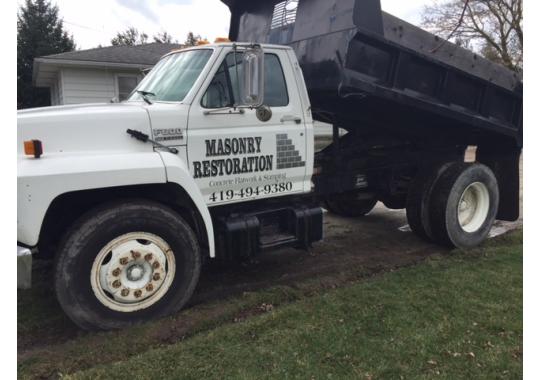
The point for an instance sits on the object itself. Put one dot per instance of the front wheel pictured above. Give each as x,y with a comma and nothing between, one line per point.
126,263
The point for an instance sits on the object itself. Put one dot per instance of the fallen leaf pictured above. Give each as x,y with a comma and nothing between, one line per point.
266,307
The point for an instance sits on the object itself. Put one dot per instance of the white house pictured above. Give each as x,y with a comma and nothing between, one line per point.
96,75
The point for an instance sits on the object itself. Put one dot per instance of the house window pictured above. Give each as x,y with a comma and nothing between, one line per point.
125,85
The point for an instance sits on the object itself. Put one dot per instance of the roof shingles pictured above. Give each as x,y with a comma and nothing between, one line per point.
147,54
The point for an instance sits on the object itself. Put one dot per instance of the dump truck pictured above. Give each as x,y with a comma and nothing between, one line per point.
212,156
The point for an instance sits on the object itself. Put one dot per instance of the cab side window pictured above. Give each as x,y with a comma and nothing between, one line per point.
224,90
275,87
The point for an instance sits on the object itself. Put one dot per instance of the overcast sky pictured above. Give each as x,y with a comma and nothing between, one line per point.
95,22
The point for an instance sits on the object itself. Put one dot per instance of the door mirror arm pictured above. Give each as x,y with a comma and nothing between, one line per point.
225,111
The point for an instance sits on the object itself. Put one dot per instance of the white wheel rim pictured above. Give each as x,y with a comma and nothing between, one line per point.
473,207
133,271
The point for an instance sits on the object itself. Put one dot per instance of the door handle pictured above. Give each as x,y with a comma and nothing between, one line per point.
296,119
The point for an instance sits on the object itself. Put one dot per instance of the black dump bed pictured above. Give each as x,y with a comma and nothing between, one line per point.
364,67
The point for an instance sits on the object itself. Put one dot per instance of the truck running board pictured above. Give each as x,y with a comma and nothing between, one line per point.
247,235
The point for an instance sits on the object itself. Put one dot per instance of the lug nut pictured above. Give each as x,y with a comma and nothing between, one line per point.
116,272
156,277
155,264
138,293
135,254
125,292
116,284
124,260
148,257
149,287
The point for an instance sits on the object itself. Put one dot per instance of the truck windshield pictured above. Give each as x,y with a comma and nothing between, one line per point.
172,78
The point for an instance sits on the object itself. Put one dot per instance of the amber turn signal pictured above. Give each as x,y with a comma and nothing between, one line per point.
33,148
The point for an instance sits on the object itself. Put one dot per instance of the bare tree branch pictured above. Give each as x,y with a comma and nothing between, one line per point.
460,22
493,28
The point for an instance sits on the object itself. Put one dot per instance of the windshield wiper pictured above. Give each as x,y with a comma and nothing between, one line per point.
145,94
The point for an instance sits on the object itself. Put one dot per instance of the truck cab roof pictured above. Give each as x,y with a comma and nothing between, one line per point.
228,45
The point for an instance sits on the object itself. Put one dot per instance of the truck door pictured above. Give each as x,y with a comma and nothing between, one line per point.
245,154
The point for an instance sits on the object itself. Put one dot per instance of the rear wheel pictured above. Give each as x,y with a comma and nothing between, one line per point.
350,204
464,205
126,263
418,199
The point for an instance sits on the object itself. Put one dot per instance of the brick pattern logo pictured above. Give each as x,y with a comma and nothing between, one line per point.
287,156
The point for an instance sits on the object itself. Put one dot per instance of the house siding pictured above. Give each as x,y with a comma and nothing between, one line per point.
60,88
87,86
54,94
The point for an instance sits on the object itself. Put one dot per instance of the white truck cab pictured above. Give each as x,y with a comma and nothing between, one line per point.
207,157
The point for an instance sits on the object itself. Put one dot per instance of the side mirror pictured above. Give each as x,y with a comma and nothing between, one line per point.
253,89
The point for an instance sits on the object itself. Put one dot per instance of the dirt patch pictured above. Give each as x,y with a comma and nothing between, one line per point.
352,249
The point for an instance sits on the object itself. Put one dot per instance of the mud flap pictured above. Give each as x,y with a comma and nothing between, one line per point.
505,164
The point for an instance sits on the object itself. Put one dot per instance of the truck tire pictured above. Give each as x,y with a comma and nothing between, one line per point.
125,263
350,204
418,199
464,205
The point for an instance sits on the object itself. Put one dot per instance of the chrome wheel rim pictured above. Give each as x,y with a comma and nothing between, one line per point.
132,272
473,207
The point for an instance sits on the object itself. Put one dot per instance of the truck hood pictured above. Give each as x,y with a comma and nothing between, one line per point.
84,128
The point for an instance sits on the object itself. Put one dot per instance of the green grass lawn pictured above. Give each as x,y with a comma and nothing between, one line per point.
453,316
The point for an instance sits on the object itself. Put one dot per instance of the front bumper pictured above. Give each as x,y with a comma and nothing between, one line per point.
24,268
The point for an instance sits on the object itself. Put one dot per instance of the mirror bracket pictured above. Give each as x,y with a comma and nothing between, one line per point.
225,111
